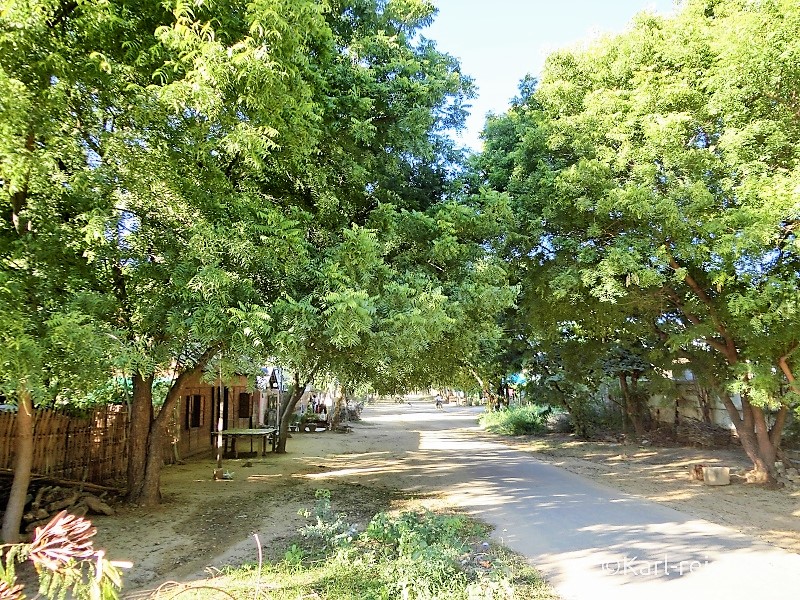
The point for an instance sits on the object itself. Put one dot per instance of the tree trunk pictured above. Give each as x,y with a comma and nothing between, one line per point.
485,388
150,491
23,463
138,433
758,442
287,410
147,491
762,465
579,419
632,406
339,408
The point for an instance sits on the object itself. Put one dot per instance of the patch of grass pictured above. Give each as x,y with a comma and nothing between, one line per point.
411,555
517,420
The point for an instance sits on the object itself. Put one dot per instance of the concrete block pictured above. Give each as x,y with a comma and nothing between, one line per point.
717,475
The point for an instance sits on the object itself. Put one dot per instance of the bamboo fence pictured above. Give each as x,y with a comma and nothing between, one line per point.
92,449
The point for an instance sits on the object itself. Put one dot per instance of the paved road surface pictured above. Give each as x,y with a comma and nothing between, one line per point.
592,542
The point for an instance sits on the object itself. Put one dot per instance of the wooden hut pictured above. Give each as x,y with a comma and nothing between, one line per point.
199,410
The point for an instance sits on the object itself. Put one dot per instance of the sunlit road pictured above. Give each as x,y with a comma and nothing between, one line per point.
589,540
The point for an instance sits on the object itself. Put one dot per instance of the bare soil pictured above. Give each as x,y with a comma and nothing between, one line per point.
204,524
662,474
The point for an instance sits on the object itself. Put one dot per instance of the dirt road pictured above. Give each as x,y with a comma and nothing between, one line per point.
591,540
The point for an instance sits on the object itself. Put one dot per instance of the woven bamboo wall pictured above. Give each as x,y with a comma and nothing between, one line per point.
89,449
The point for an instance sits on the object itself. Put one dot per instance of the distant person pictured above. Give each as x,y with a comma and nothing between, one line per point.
439,401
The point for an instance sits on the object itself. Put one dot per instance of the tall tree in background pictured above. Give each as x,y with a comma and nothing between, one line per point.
383,286
658,172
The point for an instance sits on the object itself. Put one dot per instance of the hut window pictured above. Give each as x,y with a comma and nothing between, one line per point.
194,411
244,405
197,410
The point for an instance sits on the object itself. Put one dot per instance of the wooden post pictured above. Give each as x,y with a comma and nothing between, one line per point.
221,404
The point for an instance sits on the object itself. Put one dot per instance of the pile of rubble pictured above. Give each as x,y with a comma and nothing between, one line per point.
697,433
787,474
45,501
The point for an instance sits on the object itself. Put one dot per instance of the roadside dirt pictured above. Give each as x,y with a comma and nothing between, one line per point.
204,524
662,475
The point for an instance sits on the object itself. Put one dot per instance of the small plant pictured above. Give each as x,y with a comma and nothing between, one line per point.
65,561
294,556
329,528
422,552
413,556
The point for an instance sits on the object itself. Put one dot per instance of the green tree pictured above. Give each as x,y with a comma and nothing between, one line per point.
655,170
49,351
201,241
153,125
250,179
52,351
376,293
408,302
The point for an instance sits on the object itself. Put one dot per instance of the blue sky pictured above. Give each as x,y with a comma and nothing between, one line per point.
499,41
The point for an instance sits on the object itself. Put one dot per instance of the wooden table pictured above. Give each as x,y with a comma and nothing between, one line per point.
265,433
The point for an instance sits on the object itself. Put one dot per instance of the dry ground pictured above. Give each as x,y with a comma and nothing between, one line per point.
204,524
662,475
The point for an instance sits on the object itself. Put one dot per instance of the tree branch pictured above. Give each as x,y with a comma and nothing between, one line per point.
780,420
729,347
733,412
676,300
19,199
776,431
173,393
62,14
787,370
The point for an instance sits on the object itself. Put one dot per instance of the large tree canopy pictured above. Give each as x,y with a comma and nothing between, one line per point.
655,177
390,251
264,179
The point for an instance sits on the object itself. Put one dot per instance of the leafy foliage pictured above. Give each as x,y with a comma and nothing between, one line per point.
237,178
411,554
524,419
65,561
649,183
328,527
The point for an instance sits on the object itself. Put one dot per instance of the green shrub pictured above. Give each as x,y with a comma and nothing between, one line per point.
329,528
414,556
594,414
420,552
517,420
